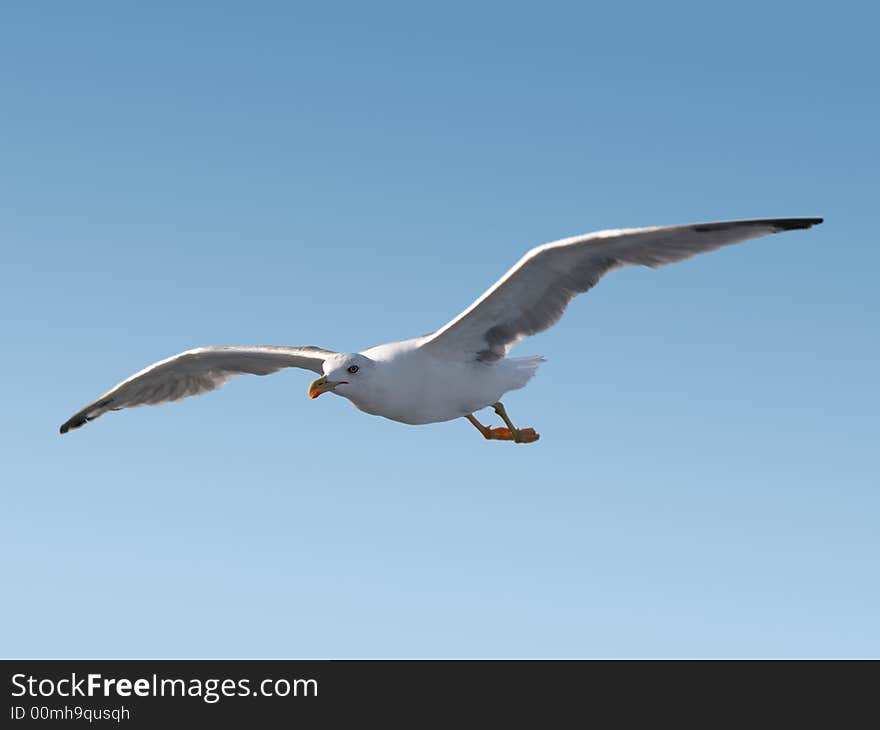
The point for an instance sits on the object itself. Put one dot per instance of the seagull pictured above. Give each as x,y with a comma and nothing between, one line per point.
462,367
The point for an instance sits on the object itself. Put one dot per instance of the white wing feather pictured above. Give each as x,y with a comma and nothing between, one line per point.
533,295
195,372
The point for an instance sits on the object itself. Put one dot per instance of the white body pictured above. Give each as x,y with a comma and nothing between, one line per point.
413,385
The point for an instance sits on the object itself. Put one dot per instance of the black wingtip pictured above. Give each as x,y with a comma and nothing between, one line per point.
776,225
794,224
72,423
89,413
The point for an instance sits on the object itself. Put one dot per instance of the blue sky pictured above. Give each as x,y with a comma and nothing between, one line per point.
182,174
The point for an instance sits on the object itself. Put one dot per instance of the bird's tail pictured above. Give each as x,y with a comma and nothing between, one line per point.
521,369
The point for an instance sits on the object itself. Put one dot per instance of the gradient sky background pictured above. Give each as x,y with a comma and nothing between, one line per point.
182,174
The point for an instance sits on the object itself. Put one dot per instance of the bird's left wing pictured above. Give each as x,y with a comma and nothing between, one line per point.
195,372
533,295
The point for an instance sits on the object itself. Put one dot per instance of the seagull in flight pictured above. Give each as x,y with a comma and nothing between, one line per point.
461,368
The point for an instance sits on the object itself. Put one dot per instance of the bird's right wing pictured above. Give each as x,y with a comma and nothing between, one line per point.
195,372
533,295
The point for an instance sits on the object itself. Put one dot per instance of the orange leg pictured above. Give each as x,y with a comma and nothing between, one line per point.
511,433
520,435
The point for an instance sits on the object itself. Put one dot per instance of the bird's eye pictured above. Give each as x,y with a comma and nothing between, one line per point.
353,369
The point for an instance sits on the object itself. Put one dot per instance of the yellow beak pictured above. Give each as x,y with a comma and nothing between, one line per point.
322,385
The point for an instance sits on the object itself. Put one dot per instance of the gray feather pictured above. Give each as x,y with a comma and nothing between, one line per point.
533,295
195,372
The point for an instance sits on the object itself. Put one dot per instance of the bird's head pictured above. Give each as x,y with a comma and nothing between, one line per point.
343,374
